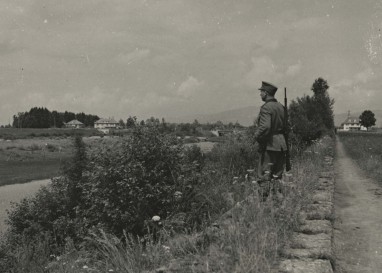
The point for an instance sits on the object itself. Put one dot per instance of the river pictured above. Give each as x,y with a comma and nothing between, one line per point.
14,193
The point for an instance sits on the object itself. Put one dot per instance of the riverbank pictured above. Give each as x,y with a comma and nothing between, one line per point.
14,193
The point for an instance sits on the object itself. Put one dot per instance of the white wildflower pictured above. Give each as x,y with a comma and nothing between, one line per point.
156,218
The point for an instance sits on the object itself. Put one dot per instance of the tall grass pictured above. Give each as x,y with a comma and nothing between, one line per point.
366,150
247,238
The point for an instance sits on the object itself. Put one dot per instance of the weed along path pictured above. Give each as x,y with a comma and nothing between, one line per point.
358,225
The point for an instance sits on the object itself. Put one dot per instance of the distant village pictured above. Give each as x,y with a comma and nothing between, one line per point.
109,125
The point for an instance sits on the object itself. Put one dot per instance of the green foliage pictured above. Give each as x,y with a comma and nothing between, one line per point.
367,119
311,117
134,181
117,188
304,119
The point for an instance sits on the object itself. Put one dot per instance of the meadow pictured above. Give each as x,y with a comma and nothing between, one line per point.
32,154
24,157
365,149
17,133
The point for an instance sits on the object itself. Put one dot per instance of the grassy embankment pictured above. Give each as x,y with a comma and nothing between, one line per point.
249,240
365,149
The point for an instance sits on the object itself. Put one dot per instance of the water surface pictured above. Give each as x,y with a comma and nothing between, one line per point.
14,193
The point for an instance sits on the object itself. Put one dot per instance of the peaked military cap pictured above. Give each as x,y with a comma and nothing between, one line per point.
269,88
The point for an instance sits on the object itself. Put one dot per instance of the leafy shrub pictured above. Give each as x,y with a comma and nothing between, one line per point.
311,117
118,187
135,180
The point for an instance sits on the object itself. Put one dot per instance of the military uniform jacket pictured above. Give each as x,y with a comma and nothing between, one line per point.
270,126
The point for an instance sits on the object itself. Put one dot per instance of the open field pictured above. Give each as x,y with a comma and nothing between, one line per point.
15,133
26,159
365,149
23,160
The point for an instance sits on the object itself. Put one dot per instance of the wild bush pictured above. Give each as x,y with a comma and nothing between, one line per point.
311,117
135,180
117,188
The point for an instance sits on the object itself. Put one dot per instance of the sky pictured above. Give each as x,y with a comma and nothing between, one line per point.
164,58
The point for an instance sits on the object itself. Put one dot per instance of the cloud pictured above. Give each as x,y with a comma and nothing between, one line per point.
357,92
133,56
364,76
360,78
310,23
294,69
189,87
262,69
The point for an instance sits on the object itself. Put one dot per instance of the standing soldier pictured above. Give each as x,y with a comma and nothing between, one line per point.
270,136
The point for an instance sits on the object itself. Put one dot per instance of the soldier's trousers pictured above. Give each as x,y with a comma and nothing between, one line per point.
271,164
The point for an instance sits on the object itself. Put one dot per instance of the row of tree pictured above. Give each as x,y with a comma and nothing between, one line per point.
41,117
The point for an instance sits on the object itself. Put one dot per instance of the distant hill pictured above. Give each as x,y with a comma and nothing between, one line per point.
339,118
245,116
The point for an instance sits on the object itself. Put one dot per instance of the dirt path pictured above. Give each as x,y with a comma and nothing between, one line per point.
358,227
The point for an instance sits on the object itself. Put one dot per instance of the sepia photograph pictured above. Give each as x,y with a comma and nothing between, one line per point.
180,136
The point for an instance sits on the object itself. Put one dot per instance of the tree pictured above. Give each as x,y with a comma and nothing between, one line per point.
367,119
305,120
323,103
312,116
131,122
121,123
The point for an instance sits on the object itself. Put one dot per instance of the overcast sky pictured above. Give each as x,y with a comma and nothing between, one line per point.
162,58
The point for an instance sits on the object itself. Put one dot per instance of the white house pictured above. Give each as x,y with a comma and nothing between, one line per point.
352,124
74,124
106,123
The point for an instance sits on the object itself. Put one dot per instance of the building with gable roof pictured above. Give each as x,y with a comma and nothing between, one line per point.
105,125
352,124
74,124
